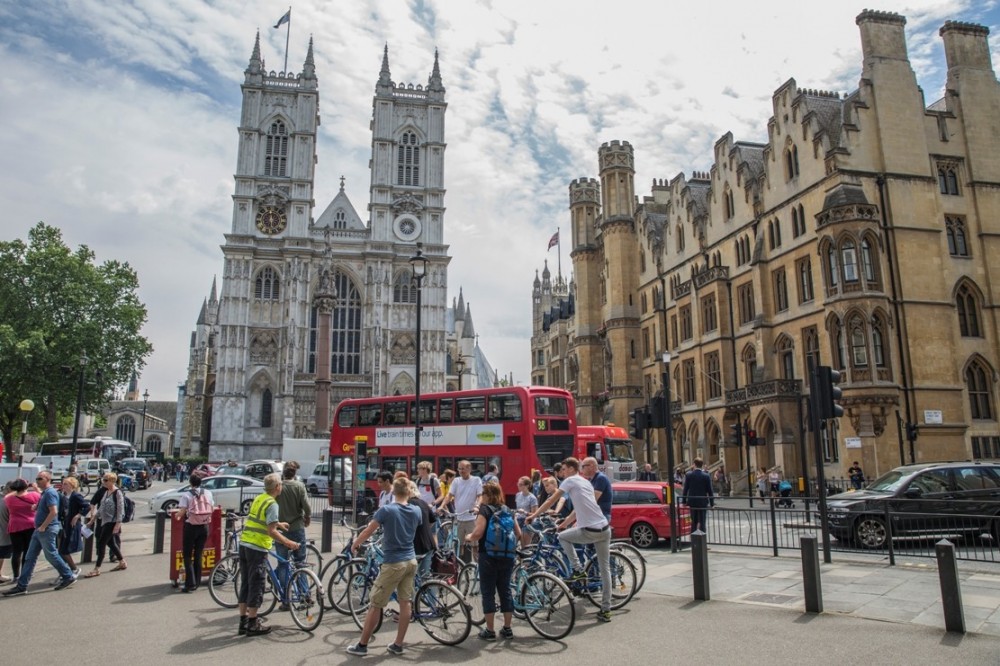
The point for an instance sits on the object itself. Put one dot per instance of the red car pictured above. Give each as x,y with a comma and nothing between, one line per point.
640,513
205,470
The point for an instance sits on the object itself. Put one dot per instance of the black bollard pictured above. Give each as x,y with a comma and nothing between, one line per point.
161,521
811,581
951,589
326,538
699,565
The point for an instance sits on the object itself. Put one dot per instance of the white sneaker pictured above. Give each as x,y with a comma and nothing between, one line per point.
5,579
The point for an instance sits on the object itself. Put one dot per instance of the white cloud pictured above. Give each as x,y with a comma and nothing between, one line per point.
120,120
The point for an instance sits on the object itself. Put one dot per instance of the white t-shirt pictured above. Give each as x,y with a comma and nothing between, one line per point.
466,491
588,513
426,488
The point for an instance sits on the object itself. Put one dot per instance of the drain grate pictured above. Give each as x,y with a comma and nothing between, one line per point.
768,598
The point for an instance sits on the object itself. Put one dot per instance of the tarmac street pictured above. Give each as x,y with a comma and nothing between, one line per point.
875,614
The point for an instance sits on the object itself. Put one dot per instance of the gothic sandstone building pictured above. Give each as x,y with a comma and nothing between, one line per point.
864,234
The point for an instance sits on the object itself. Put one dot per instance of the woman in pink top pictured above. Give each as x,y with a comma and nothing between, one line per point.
21,506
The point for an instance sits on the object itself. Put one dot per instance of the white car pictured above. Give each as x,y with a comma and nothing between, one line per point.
230,491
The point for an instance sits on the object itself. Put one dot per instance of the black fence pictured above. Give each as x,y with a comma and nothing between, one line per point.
903,528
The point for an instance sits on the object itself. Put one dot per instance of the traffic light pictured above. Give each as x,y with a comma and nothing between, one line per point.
655,417
826,393
911,432
637,422
751,438
737,429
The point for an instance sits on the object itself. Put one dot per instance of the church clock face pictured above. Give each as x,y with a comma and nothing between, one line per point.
271,220
406,227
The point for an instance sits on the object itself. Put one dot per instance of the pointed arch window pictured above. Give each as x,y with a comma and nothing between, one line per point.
340,219
868,263
833,272
276,150
859,344
266,408
408,160
958,245
968,312
978,384
791,162
878,342
680,238
125,429
948,179
266,285
749,363
403,290
786,358
810,344
345,329
849,261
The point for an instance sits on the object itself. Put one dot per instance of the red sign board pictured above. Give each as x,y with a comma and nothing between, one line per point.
213,547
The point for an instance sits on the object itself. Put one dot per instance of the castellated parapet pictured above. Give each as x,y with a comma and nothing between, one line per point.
584,191
616,154
965,45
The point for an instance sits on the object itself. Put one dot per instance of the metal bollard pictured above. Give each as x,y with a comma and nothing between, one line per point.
811,581
161,521
699,565
951,589
326,538
88,550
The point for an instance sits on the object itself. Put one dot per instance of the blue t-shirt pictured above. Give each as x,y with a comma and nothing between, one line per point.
399,525
49,498
602,484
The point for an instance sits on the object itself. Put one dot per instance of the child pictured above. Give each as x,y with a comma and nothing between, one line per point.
526,503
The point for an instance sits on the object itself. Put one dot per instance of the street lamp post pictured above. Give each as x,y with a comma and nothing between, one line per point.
26,407
460,368
142,437
79,405
419,264
670,451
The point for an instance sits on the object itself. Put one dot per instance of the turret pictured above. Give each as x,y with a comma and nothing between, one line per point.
309,68
617,165
384,77
584,206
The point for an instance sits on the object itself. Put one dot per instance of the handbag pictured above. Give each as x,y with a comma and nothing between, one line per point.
445,565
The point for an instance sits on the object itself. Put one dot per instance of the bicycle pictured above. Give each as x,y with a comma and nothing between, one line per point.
338,572
438,607
301,591
234,525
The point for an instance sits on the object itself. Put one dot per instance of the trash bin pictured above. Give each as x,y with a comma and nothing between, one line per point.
211,554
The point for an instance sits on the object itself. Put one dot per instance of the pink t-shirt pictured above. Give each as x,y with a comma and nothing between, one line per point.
22,511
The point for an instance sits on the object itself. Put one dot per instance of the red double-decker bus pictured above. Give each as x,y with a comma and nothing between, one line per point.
520,428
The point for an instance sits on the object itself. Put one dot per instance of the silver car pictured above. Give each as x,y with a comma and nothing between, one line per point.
230,491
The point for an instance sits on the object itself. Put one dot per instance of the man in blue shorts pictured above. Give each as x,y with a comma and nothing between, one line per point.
399,521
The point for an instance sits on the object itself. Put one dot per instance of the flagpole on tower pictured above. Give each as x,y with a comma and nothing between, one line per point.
288,34
559,254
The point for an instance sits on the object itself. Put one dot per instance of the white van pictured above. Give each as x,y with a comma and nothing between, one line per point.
91,470
8,472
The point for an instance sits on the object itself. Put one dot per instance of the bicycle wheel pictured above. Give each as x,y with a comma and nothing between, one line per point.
443,612
637,559
223,581
270,597
548,605
305,599
337,585
314,559
359,590
468,585
623,581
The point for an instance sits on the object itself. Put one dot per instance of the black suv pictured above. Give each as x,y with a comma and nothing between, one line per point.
922,500
139,469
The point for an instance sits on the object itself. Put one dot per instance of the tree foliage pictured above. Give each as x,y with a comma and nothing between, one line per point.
57,305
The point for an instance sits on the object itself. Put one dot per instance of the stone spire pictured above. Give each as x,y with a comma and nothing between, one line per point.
434,83
212,297
384,78
309,68
468,331
255,61
461,303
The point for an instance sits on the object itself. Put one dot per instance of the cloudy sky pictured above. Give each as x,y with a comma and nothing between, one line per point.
119,119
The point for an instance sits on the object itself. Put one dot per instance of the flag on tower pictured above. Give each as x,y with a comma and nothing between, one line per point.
553,241
284,19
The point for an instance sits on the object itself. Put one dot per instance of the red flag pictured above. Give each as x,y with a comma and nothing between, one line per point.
553,241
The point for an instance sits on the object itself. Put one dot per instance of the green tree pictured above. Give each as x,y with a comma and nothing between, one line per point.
57,305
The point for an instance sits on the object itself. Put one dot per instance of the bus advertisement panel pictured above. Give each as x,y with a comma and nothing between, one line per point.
518,428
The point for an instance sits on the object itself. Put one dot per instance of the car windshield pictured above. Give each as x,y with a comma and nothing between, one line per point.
134,464
889,482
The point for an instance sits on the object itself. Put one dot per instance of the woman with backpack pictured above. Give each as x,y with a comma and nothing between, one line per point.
195,512
110,511
498,535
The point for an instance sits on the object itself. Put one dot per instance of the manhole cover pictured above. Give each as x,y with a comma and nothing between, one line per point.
765,598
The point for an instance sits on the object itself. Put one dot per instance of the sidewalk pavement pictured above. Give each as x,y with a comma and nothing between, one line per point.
906,593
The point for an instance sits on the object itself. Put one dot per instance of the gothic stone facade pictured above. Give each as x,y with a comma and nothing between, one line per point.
315,310
863,234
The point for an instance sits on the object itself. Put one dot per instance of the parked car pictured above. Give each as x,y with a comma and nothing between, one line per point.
258,469
138,469
640,513
205,470
234,493
318,483
922,500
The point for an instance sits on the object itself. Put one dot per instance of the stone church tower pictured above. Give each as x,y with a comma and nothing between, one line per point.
313,310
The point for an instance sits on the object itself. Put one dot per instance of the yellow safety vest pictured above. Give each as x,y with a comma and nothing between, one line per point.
255,531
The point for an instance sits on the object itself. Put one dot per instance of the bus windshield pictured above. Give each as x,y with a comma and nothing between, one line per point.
619,450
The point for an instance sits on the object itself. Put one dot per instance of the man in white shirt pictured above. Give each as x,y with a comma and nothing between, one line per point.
385,488
466,491
591,527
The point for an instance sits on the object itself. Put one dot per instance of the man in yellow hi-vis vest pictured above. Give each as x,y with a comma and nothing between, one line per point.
259,535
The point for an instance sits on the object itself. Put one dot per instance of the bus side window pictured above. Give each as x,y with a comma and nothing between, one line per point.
346,416
447,410
505,407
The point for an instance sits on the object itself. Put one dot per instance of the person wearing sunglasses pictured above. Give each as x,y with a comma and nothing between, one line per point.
47,528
